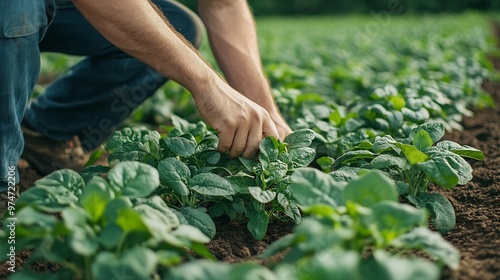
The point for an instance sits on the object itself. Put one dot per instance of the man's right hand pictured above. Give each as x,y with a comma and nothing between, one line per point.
240,122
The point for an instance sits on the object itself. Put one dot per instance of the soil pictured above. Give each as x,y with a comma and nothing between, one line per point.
477,206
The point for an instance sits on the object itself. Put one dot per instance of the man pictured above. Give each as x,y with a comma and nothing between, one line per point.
130,47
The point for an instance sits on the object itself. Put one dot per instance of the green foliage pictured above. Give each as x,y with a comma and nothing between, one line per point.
362,94
366,220
106,227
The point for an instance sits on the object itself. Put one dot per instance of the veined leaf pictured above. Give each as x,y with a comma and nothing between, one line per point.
175,175
300,138
435,130
180,146
133,179
261,195
211,184
464,151
370,188
257,223
422,140
268,149
432,243
199,219
413,155
310,186
441,210
440,172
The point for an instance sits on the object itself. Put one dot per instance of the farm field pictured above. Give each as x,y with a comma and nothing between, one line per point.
394,163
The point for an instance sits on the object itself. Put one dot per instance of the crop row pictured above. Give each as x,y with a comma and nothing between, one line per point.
368,113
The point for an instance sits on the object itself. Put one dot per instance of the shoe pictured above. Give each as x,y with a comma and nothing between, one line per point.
46,155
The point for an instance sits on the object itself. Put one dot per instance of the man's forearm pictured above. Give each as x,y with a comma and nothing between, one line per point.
233,38
135,27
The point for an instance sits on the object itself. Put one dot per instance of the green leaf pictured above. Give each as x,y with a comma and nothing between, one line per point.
137,263
300,138
65,178
113,207
440,172
241,183
180,146
250,271
109,236
331,264
434,129
277,246
159,204
95,197
257,224
133,179
422,140
129,220
199,270
371,188
249,164
290,207
175,175
211,184
325,163
419,116
261,195
82,238
352,157
464,151
413,155
422,238
383,144
386,266
83,242
158,224
385,161
345,174
28,217
199,219
129,135
301,157
91,171
191,233
134,151
50,199
441,211
393,218
268,149
310,186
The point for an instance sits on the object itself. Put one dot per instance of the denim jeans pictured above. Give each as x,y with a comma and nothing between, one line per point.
93,97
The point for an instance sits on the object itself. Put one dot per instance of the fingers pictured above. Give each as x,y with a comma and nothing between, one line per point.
240,142
269,129
254,137
226,137
245,139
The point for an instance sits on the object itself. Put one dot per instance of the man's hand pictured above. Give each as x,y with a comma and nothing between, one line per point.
240,122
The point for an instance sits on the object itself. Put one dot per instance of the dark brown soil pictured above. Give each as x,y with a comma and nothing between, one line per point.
477,207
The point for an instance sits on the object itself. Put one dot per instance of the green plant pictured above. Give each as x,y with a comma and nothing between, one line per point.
103,227
415,162
351,226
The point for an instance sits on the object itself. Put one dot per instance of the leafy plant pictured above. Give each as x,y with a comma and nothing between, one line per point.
350,227
103,227
415,162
